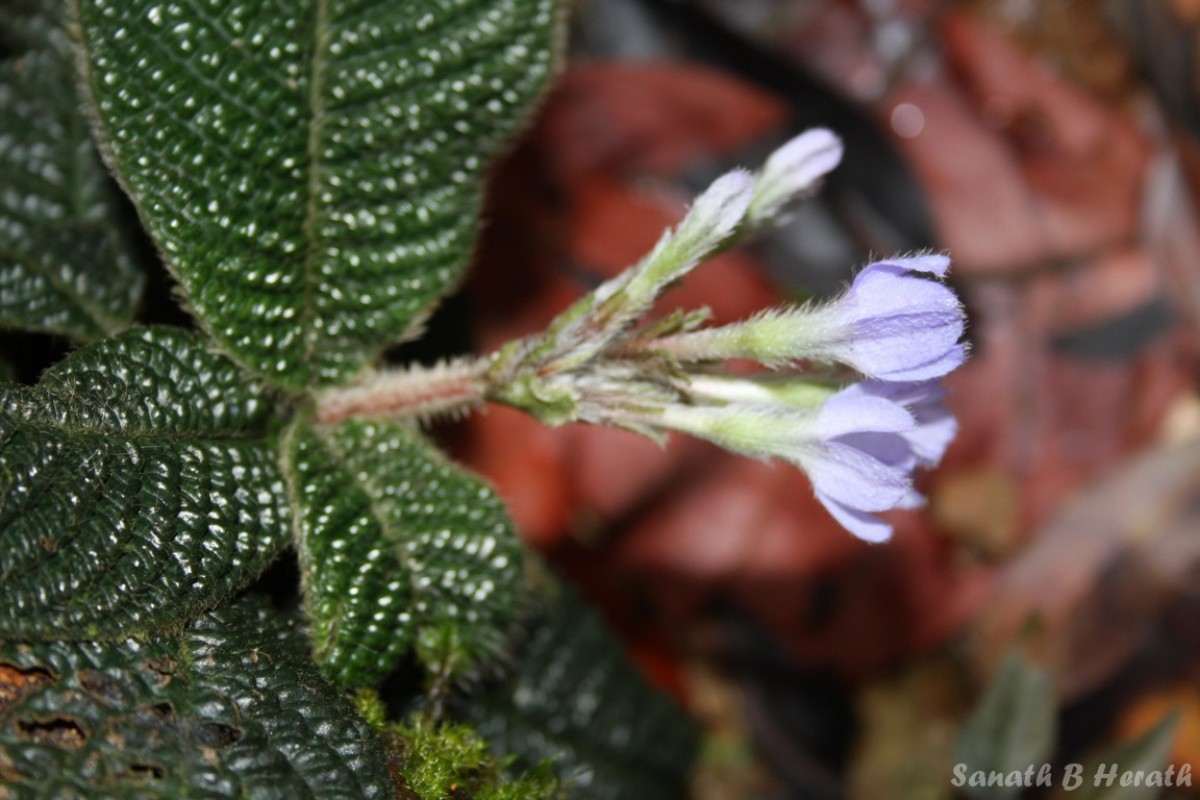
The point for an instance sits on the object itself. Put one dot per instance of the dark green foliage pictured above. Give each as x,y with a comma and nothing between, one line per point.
311,169
232,709
1013,728
63,266
138,487
575,699
398,548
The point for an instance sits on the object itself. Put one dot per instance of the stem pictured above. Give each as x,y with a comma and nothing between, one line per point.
416,391
707,344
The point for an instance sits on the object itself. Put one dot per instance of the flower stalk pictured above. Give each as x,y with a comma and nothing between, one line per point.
447,389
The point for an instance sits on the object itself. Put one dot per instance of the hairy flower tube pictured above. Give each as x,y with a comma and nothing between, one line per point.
893,324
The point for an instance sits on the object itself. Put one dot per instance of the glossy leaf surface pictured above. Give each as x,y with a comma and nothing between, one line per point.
575,698
139,487
63,266
311,169
398,548
232,709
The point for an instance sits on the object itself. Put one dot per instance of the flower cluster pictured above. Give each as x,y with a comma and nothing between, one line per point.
897,325
860,445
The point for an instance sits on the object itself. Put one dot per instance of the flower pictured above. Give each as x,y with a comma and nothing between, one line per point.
892,324
792,172
853,446
897,326
935,426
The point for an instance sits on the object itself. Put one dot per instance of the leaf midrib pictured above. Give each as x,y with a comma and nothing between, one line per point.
316,88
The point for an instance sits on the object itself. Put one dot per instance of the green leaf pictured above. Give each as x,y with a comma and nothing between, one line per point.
398,547
1013,728
576,700
1147,755
64,267
138,487
232,709
311,169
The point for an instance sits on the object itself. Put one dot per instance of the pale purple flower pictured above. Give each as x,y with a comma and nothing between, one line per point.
853,447
935,425
922,445
895,325
793,172
864,461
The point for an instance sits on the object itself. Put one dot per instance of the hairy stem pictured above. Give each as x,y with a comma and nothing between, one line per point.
416,392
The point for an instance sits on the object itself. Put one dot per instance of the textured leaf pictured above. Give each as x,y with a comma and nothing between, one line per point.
138,487
576,699
1013,728
63,265
311,169
398,547
232,709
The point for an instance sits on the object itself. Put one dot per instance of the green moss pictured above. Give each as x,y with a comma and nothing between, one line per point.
451,762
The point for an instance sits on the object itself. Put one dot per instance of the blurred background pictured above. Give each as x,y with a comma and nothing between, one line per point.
1043,607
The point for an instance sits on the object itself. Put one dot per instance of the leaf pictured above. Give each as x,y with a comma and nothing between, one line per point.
311,170
1013,728
138,487
1147,754
232,709
398,548
575,698
64,267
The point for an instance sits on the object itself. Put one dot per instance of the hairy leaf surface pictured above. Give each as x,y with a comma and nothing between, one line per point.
311,169
232,709
138,487
64,268
574,697
398,548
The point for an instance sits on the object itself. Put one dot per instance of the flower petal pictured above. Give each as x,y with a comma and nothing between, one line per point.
898,326
853,411
935,426
932,263
865,526
793,170
805,158
853,477
930,439
948,362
